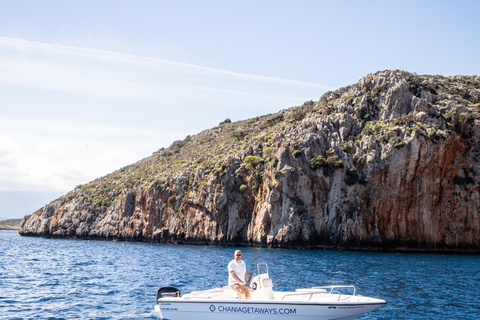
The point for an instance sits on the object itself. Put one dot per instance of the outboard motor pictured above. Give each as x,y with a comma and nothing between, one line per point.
168,292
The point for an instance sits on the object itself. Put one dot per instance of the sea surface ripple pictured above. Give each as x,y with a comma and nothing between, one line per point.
81,279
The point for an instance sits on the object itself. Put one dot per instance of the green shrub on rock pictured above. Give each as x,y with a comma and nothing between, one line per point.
399,145
397,142
351,176
250,161
296,153
330,161
239,135
267,151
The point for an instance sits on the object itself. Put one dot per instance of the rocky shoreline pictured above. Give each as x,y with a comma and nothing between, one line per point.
10,224
390,163
400,248
10,228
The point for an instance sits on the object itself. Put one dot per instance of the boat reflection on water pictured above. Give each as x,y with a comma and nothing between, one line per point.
317,303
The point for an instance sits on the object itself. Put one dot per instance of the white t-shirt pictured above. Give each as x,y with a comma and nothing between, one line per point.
240,268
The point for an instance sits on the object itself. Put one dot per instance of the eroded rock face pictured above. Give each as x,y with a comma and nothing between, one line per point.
390,163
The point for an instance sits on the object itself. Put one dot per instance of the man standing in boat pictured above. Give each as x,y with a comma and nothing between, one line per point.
237,272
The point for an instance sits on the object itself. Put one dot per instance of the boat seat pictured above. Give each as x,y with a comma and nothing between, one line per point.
228,288
230,292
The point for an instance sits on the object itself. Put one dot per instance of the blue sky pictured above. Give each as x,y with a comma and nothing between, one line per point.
87,87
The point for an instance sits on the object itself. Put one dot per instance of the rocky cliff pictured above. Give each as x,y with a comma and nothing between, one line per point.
389,163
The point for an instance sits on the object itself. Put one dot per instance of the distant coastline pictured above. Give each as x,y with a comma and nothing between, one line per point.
10,224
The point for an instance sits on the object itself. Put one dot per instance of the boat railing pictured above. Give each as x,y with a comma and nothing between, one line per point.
321,290
330,289
264,269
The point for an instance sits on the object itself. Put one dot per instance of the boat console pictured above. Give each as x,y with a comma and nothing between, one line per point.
261,286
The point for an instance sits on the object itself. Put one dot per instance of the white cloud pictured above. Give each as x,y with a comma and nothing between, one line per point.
42,154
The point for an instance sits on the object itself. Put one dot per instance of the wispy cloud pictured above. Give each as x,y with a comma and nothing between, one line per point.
89,53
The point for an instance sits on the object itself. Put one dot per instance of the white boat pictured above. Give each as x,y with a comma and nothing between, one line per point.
337,302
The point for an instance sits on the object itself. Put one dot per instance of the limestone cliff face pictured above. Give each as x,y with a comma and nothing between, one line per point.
390,163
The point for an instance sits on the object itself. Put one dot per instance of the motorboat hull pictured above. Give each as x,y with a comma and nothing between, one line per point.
179,309
335,302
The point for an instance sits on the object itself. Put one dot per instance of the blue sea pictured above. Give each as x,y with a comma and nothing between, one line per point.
82,279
